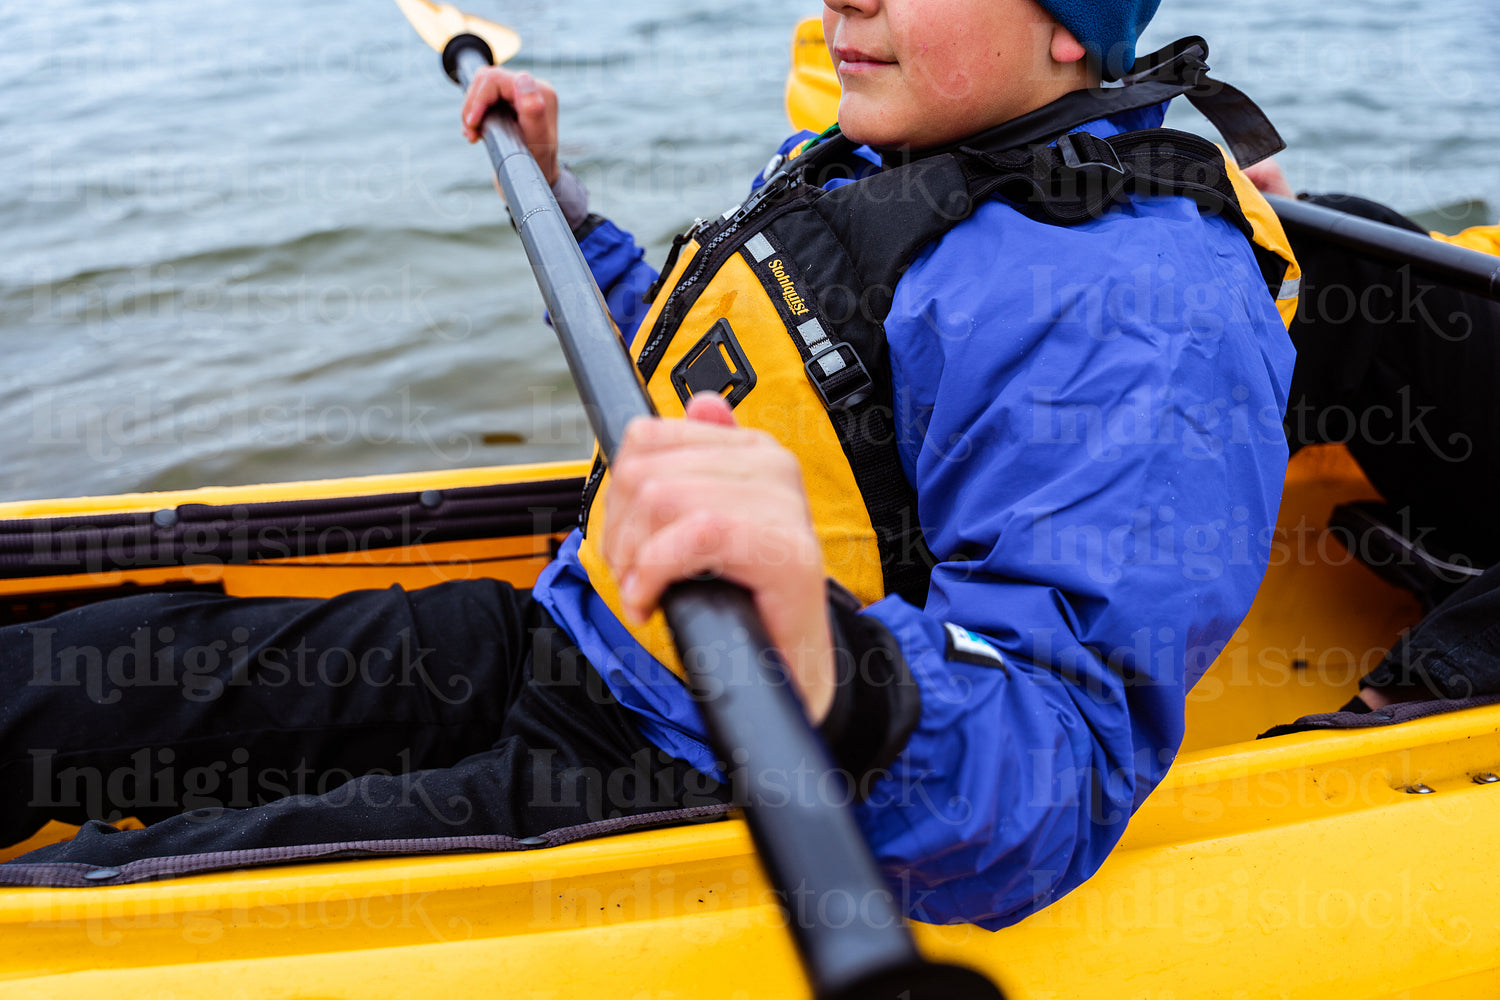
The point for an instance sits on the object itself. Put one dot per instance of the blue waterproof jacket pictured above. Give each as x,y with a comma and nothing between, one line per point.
1091,418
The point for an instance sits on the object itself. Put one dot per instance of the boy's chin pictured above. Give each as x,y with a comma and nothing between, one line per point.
872,123
870,127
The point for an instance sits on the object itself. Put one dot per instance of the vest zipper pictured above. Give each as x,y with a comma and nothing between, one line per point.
706,261
596,476
678,242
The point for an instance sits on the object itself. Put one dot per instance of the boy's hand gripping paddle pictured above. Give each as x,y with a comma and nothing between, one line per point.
851,935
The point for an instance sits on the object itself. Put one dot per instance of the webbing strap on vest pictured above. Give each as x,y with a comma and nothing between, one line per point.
846,361
1080,177
1244,126
1083,175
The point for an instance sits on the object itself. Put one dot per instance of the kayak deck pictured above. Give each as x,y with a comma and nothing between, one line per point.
1303,870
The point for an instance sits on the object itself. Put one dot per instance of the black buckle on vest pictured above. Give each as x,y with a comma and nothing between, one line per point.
1082,151
1183,61
705,369
845,388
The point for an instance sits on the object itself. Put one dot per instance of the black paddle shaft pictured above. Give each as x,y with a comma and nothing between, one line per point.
851,935
1464,269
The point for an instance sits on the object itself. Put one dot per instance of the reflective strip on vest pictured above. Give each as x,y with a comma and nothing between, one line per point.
816,339
760,248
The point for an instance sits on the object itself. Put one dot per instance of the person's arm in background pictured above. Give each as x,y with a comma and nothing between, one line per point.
1267,177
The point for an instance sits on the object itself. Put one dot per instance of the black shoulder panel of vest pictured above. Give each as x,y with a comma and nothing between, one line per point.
838,291
886,219
853,307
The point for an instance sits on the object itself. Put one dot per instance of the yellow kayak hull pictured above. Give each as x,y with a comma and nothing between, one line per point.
1304,866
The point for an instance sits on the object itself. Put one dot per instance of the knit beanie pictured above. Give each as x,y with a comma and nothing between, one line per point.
1106,28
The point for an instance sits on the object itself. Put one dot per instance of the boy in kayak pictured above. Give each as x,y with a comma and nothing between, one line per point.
980,357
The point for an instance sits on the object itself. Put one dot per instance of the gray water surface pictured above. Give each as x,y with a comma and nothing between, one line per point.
244,243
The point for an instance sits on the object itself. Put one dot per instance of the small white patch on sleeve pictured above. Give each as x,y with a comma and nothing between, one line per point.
966,647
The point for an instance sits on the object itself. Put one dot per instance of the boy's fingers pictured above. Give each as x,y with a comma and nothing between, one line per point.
530,105
488,87
648,434
673,479
636,514
535,104
725,546
688,548
536,110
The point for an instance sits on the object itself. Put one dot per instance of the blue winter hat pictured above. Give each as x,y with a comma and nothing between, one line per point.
1108,29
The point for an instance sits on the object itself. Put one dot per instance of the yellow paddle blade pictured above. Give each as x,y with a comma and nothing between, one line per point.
812,87
437,23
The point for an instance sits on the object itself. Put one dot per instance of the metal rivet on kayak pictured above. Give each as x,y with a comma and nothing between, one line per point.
430,498
1419,789
164,518
1486,778
534,842
100,874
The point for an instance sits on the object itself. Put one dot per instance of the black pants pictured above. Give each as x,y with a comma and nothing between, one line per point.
232,725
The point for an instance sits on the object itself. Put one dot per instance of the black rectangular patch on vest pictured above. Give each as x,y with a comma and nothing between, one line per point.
715,364
834,368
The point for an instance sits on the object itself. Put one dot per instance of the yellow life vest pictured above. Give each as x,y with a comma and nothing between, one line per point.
1485,239
778,305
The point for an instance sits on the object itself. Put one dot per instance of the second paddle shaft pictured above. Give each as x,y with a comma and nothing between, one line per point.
1464,269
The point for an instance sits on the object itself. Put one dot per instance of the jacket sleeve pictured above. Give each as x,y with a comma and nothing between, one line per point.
1094,433
620,269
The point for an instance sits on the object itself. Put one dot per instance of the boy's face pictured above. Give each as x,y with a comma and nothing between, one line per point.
922,73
